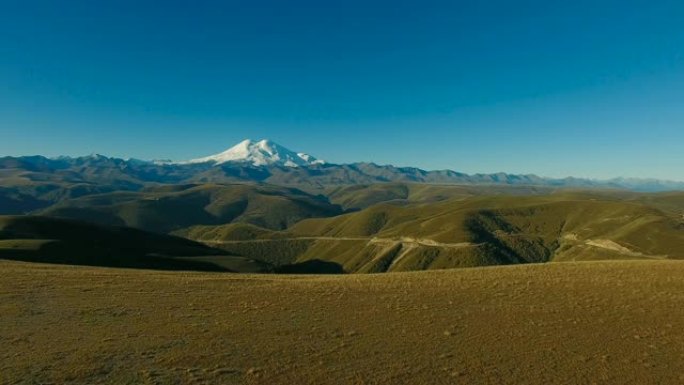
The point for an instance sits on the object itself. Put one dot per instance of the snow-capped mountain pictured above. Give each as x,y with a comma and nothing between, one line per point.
261,153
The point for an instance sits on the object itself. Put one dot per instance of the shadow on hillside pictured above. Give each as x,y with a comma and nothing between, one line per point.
56,253
313,266
52,240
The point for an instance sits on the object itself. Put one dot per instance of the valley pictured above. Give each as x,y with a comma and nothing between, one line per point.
391,227
467,231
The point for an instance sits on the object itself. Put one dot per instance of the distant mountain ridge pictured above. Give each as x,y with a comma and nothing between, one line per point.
251,162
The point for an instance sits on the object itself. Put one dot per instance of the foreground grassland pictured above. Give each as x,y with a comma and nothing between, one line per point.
559,323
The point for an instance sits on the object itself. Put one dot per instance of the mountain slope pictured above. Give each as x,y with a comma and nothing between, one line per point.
464,232
362,196
167,208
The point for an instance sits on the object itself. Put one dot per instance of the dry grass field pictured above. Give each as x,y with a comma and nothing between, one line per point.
558,323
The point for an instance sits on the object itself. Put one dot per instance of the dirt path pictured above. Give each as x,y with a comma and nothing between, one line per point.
404,240
607,244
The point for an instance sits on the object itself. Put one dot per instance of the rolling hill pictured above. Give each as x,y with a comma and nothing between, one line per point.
472,231
50,240
362,196
166,208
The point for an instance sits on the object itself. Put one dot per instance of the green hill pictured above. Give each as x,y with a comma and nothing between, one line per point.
168,208
472,231
365,195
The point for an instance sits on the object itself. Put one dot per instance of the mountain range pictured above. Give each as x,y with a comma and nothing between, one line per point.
263,162
30,183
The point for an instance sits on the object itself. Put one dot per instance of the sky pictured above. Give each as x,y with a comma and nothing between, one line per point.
556,88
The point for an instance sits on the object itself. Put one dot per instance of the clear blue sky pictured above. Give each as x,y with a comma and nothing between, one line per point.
585,88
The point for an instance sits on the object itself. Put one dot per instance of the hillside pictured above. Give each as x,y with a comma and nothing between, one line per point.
167,208
362,196
466,232
41,239
562,323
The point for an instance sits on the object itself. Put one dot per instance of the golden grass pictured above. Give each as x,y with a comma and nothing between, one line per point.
562,323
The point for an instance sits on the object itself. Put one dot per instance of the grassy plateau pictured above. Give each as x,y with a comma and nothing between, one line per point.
612,322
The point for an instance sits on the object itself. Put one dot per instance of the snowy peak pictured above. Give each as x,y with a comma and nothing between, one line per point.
261,153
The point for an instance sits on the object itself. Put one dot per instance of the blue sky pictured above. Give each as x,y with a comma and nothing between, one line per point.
583,88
